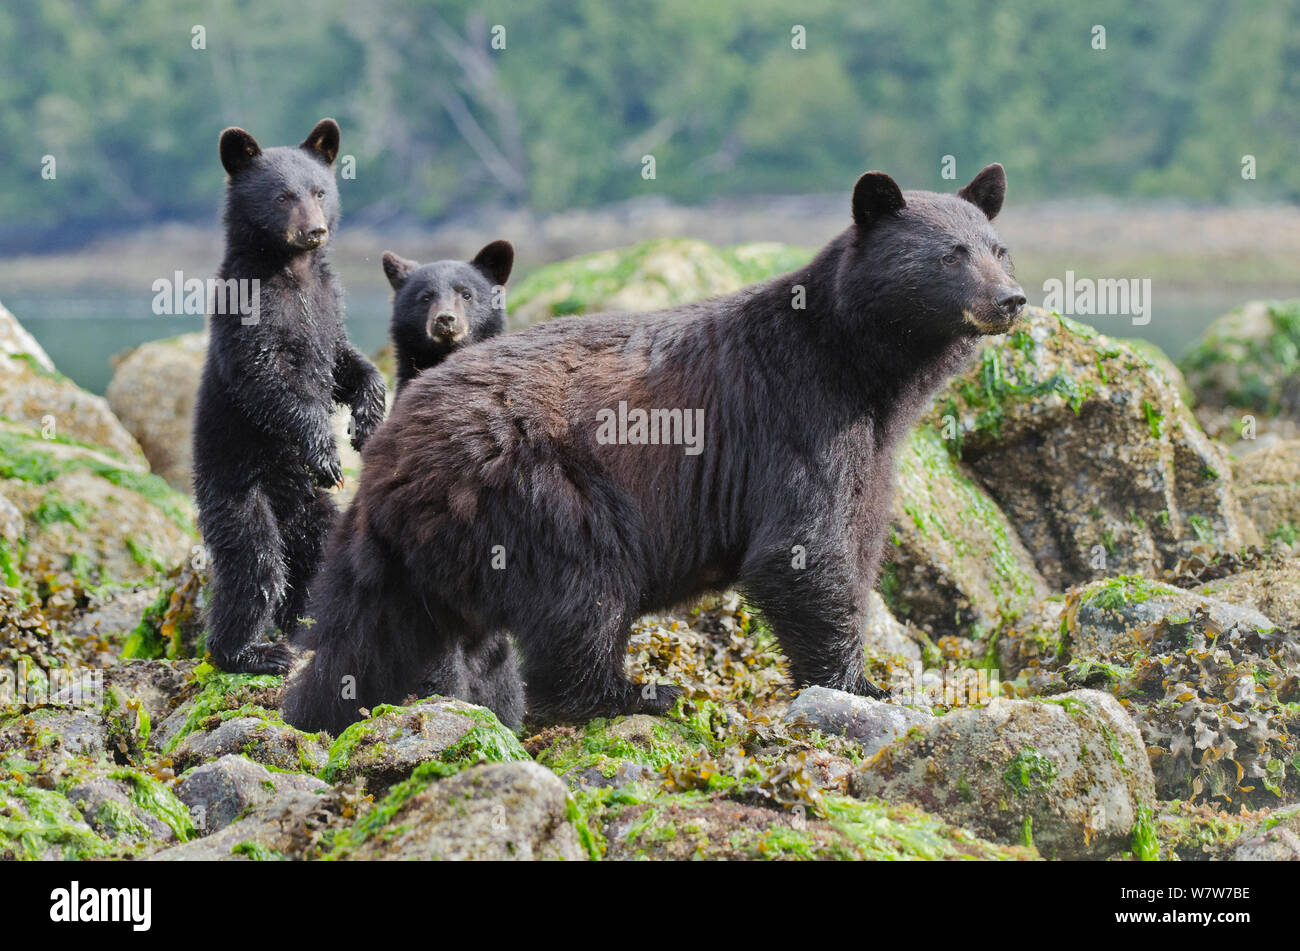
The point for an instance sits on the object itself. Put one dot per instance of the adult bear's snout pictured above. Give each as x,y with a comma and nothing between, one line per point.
1010,300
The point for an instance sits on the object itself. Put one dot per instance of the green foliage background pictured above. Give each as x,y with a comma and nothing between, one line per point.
439,122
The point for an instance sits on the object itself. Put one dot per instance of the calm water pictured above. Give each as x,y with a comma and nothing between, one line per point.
81,334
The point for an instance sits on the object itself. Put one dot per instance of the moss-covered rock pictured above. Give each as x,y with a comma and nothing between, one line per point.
211,697
955,565
219,792
652,275
516,811
619,751
152,392
90,518
1247,362
1268,487
38,823
1090,452
54,732
642,822
295,825
437,733
1068,774
257,734
36,398
82,807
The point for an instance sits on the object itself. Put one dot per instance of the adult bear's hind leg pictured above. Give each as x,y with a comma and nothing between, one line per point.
574,665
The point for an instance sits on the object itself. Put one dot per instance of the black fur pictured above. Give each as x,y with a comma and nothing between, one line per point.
441,307
803,409
264,450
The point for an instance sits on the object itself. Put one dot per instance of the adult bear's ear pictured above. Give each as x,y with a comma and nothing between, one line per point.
495,261
987,189
323,141
238,149
397,269
875,196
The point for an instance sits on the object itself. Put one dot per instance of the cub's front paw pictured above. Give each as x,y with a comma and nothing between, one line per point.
326,469
258,659
655,698
365,421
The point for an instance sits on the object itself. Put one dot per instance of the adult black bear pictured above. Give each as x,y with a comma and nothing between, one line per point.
547,482
264,450
440,307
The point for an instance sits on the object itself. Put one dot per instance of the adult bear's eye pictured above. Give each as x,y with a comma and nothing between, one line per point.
466,295
950,258
320,193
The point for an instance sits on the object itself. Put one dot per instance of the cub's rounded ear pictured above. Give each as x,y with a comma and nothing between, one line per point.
323,141
987,189
875,196
397,269
238,149
495,261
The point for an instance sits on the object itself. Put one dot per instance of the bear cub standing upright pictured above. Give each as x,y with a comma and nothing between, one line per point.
492,501
264,449
440,307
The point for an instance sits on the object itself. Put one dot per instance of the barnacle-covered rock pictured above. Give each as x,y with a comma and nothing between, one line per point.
1068,774
1211,685
1090,452
1268,487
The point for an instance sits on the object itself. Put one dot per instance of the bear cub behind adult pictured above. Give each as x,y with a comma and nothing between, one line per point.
495,498
441,307
264,449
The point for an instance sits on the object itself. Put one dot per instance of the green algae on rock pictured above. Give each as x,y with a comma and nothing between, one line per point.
618,751
437,735
651,275
1248,361
955,564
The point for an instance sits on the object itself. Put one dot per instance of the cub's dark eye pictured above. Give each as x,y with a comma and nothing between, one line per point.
319,193
426,297
1001,253
466,295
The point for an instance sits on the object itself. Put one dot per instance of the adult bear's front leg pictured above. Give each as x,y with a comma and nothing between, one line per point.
816,606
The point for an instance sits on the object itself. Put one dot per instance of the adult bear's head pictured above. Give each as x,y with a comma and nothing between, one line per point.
284,196
932,260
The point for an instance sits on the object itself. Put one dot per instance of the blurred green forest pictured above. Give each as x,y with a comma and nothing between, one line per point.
439,122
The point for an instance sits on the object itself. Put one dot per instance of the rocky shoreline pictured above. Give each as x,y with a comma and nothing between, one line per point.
1091,608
